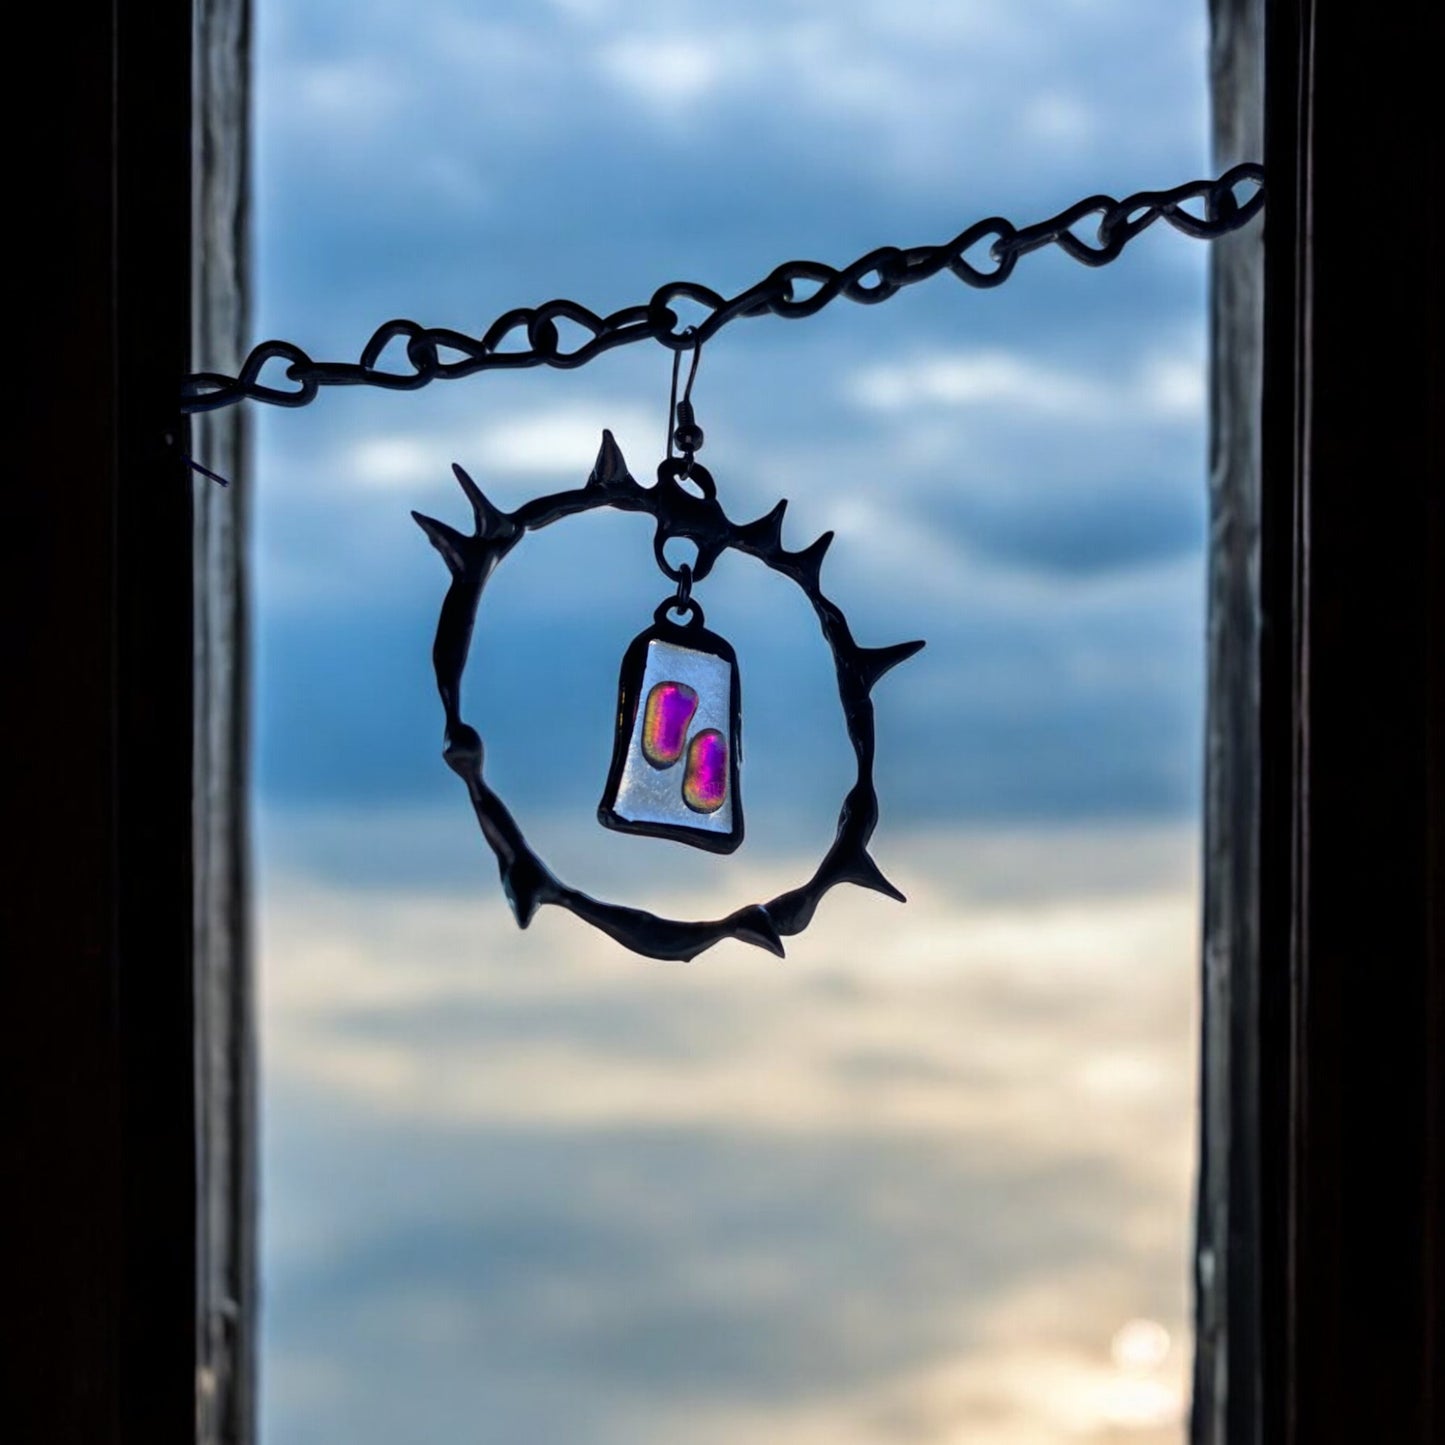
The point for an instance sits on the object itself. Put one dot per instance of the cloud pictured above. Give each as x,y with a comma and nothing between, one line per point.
491,158
349,94
548,442
390,461
1030,713
671,73
1164,388
909,1185
1081,532
540,442
1058,117
1048,693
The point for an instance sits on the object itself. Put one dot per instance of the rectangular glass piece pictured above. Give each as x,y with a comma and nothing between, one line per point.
675,760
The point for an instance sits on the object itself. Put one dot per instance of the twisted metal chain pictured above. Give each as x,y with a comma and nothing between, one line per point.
529,336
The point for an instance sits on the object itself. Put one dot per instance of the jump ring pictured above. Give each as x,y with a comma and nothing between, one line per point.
671,604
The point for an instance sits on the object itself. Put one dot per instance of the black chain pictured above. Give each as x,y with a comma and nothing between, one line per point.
870,279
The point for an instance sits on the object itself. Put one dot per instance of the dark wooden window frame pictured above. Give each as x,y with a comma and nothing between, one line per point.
1319,1279
126,1027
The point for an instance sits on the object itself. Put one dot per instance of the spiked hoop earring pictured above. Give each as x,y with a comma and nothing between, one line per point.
677,750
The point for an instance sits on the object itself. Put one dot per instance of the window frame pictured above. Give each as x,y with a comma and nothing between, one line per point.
1320,1204
127,1026
1319,1274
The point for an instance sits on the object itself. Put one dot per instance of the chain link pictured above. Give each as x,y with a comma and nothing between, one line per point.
529,336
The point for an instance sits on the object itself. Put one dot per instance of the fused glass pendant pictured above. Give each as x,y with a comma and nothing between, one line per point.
676,755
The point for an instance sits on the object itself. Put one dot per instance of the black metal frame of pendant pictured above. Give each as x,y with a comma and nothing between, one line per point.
698,518
694,637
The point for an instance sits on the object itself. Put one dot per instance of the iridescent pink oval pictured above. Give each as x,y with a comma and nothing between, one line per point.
705,783
665,720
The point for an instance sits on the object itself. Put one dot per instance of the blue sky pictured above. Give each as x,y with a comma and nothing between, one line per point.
1017,476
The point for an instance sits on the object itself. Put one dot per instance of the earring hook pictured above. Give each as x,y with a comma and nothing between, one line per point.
682,428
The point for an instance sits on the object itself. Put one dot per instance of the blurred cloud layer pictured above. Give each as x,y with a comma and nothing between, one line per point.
915,1183
907,1186
1015,475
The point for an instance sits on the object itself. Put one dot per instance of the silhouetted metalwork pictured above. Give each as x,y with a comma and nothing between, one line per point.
530,336
679,513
